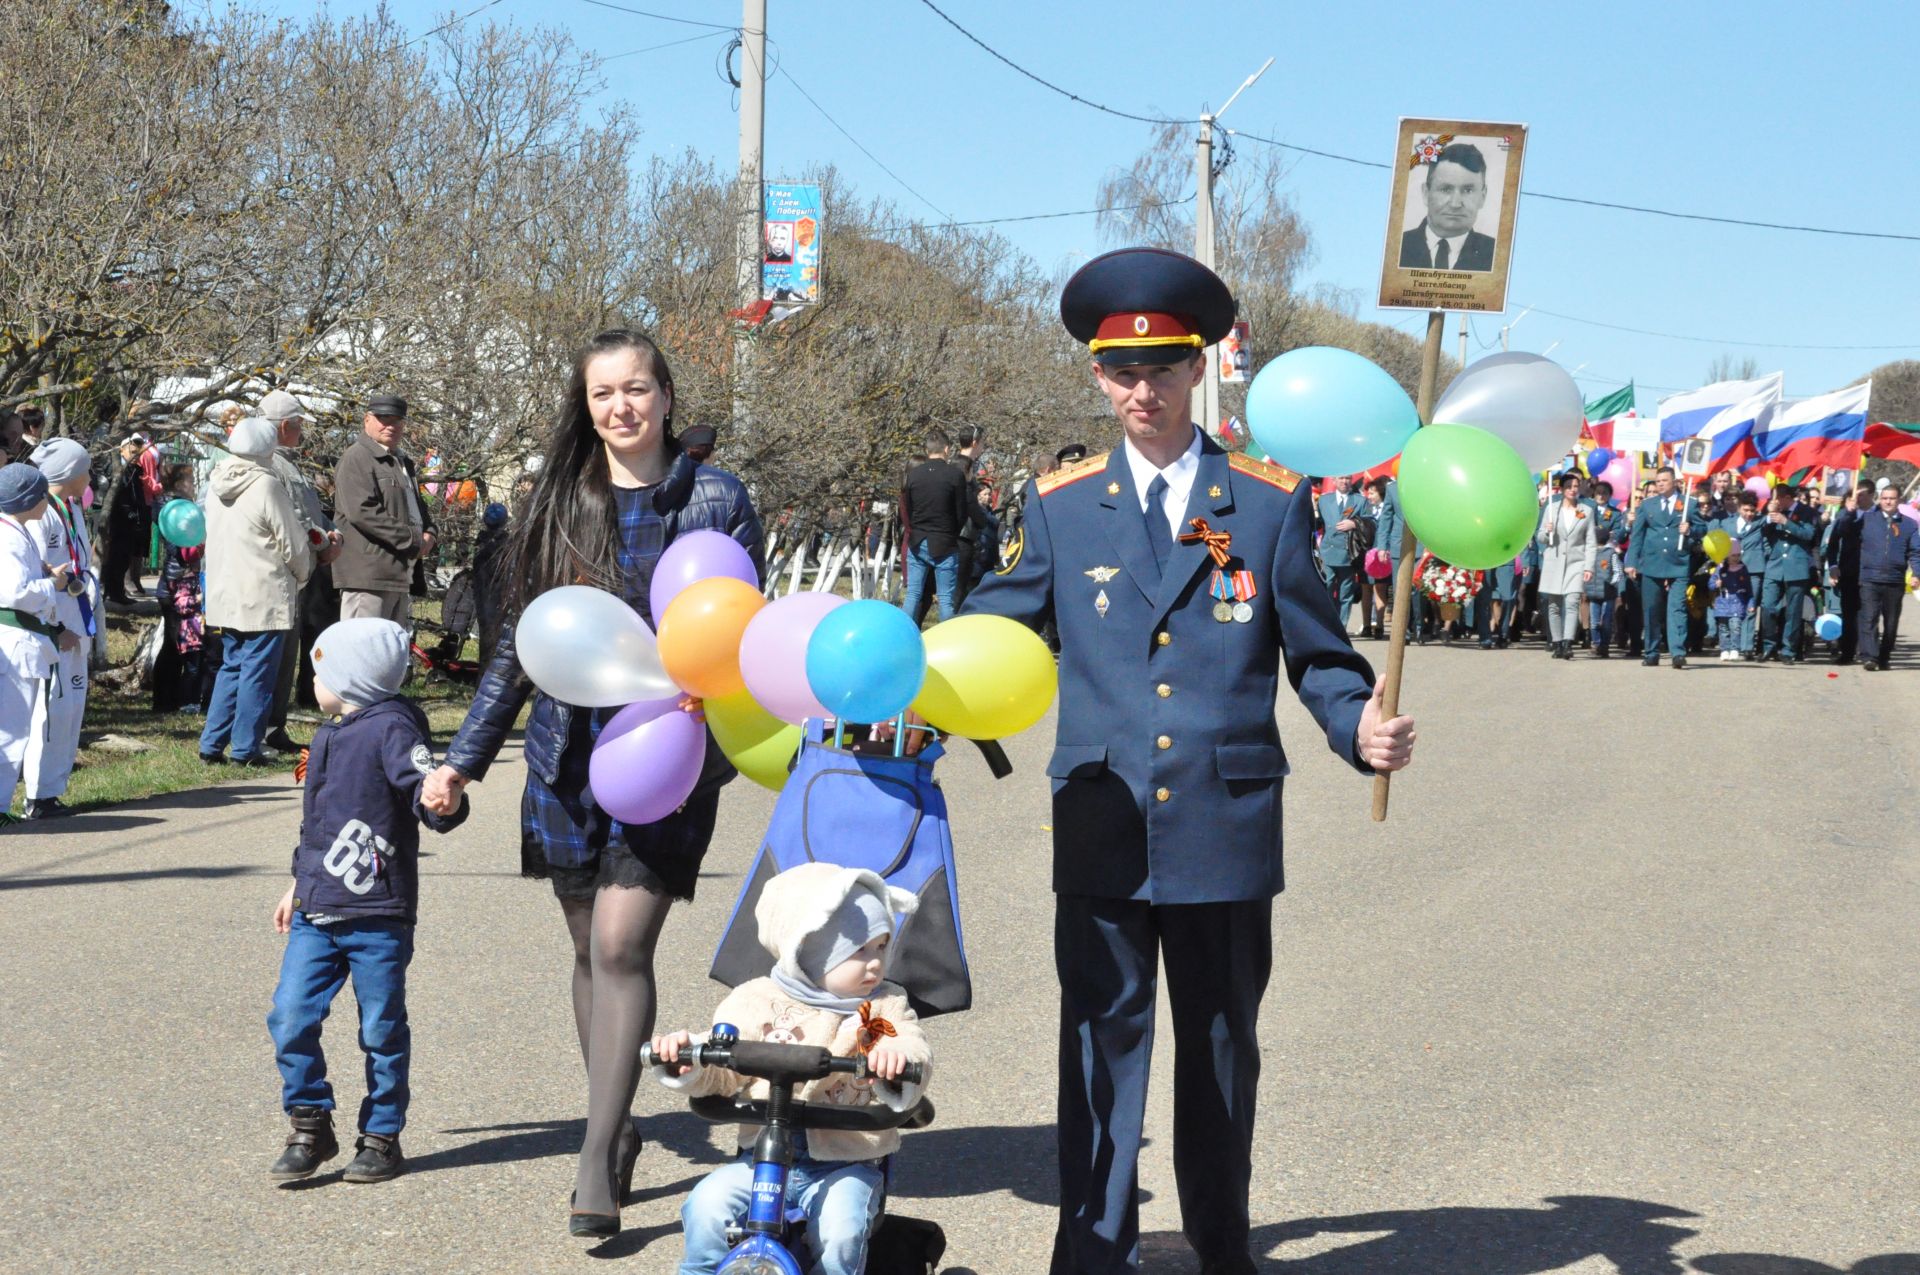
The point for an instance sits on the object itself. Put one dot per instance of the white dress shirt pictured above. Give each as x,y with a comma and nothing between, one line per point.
1179,476
1454,244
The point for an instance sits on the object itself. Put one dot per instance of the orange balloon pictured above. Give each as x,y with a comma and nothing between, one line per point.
700,635
465,494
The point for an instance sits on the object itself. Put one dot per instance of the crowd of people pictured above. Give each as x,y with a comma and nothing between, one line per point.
1650,576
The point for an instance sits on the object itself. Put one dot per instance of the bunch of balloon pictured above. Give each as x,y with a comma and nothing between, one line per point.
182,523
1328,412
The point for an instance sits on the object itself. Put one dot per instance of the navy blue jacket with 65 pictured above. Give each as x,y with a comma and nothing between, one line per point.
1167,770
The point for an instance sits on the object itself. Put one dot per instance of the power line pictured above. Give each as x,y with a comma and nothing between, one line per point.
450,22
1705,340
662,17
653,48
863,150
1367,163
1048,84
1049,216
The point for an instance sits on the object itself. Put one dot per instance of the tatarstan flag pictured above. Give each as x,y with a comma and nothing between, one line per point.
1601,413
1893,442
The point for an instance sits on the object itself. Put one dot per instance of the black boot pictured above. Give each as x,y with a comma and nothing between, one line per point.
379,1158
310,1145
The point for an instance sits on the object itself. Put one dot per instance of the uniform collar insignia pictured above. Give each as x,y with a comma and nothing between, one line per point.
1101,575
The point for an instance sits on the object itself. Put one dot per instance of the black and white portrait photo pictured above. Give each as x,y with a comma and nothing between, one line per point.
1451,217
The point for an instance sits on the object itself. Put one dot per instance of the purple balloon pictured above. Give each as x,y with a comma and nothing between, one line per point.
646,761
696,556
773,654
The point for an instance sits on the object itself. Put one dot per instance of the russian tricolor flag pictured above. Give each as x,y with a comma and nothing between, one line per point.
1829,431
1731,433
1686,415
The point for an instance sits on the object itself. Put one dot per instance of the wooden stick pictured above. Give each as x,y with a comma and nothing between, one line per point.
1403,573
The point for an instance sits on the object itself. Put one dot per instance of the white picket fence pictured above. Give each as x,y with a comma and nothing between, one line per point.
796,563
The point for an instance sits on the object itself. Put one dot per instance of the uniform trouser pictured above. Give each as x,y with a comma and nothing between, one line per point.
54,737
1664,599
1563,615
17,698
1107,952
1344,584
1782,616
1879,620
385,604
1849,608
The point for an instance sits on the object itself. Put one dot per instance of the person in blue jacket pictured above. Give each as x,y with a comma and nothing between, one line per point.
1841,553
1788,535
615,491
1182,581
1889,551
1658,557
355,895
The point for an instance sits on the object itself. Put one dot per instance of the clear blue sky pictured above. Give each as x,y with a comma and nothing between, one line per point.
1771,111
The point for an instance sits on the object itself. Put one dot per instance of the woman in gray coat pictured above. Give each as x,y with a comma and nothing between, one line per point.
1569,551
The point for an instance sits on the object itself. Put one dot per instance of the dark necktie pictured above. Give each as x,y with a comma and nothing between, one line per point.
1158,533
1443,258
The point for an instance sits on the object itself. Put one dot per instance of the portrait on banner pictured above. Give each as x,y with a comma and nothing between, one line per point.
1450,223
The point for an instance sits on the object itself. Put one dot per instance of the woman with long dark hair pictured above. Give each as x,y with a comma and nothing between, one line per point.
615,490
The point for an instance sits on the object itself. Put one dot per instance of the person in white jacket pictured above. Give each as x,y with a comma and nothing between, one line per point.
29,633
54,738
257,559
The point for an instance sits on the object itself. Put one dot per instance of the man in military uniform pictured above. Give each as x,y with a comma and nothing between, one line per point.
1341,509
1789,533
1658,556
1178,576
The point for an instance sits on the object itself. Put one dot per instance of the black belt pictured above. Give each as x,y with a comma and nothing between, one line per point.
12,619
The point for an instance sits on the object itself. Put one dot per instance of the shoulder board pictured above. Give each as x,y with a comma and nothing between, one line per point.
1071,473
1265,470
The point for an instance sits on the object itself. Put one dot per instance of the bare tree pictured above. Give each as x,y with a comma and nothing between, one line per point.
1725,367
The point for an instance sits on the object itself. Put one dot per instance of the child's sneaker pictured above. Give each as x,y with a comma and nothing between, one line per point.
379,1158
310,1145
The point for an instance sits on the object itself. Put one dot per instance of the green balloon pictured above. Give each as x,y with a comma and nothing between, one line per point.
1468,496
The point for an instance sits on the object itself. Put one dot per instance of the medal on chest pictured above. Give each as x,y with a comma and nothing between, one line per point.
1232,588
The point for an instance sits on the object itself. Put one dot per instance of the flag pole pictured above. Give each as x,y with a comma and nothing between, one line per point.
1403,572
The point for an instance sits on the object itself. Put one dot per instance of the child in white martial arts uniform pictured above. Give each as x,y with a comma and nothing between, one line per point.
54,738
29,633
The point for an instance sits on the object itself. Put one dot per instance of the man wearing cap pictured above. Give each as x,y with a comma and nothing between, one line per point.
61,533
380,522
288,416
1178,575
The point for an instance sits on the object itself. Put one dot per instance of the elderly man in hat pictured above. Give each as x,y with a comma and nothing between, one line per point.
61,534
382,527
289,417
1180,578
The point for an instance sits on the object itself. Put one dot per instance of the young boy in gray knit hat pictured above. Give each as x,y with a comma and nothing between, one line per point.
354,897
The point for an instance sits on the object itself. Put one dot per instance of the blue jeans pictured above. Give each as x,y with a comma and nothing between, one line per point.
1727,630
841,1201
946,580
243,693
375,951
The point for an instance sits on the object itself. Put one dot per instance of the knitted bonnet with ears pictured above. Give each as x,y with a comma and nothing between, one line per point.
804,900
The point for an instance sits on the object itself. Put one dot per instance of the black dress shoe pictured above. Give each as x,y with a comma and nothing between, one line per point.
1651,661
281,741
45,808
310,1145
213,759
591,1226
1871,666
265,759
378,1160
1679,661
1486,644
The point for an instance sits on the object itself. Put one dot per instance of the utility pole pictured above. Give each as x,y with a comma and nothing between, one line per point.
1463,338
1511,326
1206,395
748,196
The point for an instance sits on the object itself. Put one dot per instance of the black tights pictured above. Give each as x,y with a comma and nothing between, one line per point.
614,934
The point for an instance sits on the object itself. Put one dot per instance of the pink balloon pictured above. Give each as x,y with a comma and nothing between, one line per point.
1911,509
696,556
1759,488
1618,474
646,761
86,498
773,654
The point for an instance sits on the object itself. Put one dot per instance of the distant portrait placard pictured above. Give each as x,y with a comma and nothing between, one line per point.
1449,241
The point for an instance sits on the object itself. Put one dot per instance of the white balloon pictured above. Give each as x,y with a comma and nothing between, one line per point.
1527,401
584,646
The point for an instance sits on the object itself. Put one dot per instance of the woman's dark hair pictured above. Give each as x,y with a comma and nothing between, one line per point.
566,532
173,475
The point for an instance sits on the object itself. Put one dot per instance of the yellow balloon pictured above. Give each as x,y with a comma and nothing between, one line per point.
987,677
1717,544
759,745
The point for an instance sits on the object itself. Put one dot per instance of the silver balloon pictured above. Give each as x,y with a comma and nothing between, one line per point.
584,646
1528,401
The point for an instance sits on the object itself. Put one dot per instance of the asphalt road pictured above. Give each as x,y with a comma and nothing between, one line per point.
1627,982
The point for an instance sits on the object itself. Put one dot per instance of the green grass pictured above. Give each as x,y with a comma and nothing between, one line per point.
172,760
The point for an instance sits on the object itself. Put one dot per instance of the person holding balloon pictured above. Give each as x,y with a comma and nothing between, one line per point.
1177,575
591,563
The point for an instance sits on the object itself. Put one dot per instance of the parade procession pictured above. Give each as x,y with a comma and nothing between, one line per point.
875,510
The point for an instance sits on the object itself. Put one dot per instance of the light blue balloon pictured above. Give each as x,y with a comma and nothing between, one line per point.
183,523
1828,627
866,661
1324,412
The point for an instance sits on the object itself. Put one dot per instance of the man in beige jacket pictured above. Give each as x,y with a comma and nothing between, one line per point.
378,514
257,559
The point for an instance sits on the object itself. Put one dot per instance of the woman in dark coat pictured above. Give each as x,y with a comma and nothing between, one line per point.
615,490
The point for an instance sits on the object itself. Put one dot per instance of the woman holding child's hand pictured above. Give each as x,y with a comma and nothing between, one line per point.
615,490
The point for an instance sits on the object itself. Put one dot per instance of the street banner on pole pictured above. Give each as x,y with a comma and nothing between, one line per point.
1456,188
1236,355
790,244
1633,433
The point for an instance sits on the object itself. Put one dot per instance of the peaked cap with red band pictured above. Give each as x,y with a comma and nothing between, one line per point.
1145,305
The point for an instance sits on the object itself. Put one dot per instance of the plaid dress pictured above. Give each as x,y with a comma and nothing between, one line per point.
561,827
